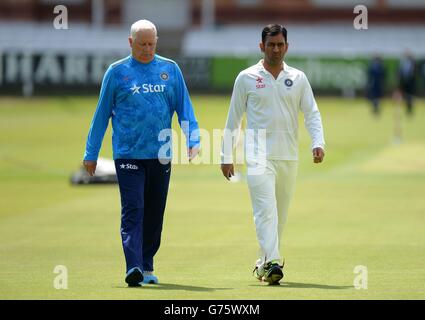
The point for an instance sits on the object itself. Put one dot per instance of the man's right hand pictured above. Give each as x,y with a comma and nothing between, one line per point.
228,170
90,166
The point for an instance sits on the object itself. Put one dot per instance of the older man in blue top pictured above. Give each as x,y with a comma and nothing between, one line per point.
140,94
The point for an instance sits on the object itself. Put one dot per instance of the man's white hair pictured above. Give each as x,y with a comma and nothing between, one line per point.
141,25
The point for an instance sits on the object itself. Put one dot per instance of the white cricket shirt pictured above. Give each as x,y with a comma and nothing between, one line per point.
273,104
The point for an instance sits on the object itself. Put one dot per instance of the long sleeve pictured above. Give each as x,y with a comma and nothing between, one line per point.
101,117
234,120
184,109
312,118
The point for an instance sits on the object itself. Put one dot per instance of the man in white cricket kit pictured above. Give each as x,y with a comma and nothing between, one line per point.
272,94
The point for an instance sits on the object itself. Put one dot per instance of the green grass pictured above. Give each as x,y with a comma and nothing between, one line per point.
364,205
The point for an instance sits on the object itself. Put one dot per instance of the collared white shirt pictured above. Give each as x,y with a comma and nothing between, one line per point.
273,104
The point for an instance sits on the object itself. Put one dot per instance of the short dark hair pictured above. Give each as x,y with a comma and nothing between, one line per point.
273,30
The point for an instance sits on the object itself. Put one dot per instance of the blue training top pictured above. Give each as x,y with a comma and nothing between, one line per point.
141,100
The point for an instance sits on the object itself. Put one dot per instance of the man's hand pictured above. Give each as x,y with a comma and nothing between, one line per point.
318,155
192,152
90,166
228,170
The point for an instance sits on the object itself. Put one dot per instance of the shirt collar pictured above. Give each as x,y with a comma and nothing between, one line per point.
138,63
262,69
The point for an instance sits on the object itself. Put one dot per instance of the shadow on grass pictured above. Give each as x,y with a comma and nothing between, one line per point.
172,286
299,285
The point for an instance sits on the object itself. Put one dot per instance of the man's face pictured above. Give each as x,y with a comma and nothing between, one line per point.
274,49
143,47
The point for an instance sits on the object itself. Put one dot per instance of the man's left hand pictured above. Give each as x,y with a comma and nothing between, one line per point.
192,152
318,155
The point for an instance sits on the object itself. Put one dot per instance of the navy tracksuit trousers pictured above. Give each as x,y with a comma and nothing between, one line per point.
143,187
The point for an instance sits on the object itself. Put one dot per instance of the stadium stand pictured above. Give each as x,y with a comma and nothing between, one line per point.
196,33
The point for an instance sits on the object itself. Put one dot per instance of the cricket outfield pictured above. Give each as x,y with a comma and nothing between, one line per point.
364,206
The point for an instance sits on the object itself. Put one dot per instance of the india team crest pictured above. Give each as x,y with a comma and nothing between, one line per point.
289,82
164,76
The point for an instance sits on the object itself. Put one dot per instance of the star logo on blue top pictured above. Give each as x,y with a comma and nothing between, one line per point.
135,89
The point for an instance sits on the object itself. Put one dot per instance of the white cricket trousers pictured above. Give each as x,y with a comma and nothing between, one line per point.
271,192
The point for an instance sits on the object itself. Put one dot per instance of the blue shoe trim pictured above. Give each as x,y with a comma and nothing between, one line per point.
134,277
133,269
150,279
